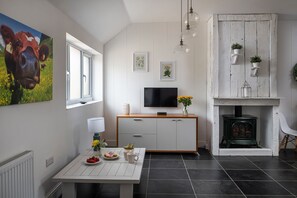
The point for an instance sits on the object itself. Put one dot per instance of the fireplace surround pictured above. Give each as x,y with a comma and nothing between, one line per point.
257,33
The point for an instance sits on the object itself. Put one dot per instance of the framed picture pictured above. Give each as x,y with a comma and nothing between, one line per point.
140,61
31,79
167,71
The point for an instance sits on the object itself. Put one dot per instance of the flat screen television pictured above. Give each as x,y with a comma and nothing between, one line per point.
160,97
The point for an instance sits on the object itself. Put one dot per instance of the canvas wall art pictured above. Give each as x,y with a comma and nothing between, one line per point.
26,63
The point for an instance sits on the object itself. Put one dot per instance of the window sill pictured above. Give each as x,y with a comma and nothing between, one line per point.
81,105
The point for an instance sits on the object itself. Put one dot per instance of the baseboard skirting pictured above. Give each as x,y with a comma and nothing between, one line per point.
201,144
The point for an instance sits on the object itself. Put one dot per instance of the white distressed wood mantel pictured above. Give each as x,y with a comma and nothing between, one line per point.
257,33
246,101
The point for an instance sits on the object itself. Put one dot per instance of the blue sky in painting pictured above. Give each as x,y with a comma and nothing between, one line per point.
16,27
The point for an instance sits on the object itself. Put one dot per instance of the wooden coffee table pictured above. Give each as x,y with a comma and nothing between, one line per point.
116,171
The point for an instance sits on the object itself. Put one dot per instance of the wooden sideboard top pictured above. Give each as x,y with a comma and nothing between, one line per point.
157,116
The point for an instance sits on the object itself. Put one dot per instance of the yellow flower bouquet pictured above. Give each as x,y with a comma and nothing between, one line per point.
98,144
186,101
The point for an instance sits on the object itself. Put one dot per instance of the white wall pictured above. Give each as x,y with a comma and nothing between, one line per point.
287,58
122,85
47,128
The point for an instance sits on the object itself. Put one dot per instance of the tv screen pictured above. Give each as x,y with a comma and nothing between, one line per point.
160,97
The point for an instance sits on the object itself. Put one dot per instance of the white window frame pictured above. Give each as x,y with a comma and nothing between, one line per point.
83,54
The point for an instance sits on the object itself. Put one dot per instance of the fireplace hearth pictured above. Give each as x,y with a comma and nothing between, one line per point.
239,130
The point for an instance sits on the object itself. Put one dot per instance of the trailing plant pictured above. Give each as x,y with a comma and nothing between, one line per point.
236,46
255,59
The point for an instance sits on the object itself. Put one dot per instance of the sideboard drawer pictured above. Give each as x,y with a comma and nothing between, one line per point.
137,125
147,141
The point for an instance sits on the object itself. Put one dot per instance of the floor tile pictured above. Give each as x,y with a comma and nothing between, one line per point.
215,187
272,165
166,164
86,190
291,186
166,156
170,196
202,164
141,187
144,173
168,174
261,188
220,196
207,175
263,158
170,186
288,155
232,158
272,196
292,163
190,156
248,175
146,163
109,189
283,174
147,156
237,165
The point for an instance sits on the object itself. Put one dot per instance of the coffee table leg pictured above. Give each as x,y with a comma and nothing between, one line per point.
69,190
126,191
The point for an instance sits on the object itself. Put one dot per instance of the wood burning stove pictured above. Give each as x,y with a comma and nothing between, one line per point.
239,130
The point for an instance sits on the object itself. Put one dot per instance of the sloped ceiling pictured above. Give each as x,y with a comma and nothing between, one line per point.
106,18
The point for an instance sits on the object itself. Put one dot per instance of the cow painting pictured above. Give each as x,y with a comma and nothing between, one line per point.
25,58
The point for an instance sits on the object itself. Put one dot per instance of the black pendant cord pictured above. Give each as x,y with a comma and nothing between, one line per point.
191,9
181,43
181,19
188,23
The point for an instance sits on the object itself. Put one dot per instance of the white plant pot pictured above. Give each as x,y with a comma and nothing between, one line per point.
256,65
234,58
254,71
236,51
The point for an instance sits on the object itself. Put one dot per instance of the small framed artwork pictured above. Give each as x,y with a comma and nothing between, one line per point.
167,71
140,61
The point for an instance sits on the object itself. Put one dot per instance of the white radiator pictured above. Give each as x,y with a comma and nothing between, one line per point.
16,176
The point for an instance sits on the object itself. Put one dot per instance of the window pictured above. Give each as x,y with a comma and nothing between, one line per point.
79,73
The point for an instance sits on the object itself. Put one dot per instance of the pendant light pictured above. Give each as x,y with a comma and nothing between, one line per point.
191,21
181,47
193,17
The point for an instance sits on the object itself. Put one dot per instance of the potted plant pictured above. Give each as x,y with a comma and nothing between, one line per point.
255,60
236,48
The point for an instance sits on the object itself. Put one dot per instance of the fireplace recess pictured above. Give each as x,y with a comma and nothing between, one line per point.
239,130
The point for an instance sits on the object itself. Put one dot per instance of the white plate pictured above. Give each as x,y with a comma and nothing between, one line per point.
111,158
87,163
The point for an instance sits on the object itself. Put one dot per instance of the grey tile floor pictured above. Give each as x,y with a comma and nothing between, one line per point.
202,176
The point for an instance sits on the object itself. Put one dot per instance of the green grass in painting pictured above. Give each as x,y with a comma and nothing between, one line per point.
41,92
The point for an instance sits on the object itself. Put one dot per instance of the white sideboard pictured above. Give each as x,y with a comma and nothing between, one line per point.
159,133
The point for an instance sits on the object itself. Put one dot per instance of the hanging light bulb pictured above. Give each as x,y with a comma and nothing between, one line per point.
191,22
193,17
181,47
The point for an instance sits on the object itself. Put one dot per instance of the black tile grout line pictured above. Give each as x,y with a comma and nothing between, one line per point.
272,177
189,177
148,176
230,177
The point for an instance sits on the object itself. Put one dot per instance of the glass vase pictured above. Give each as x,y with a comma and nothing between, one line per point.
185,110
97,151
